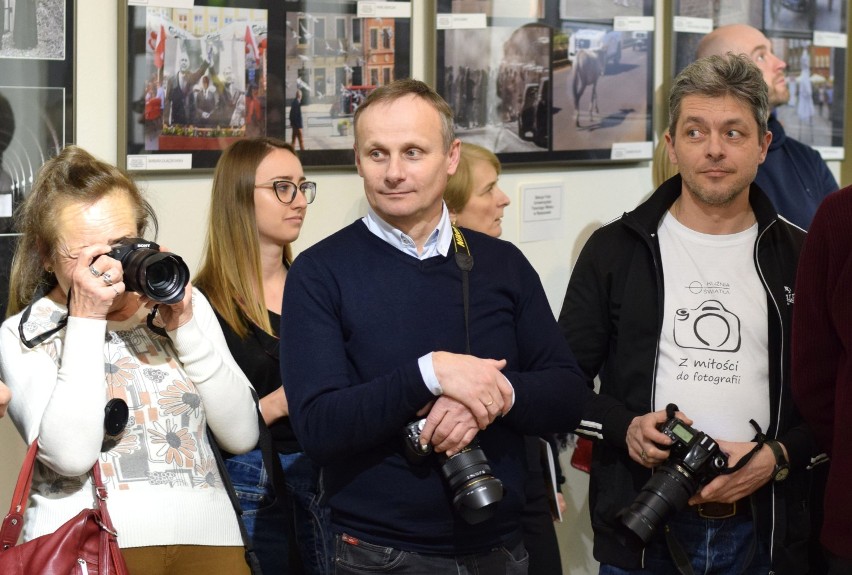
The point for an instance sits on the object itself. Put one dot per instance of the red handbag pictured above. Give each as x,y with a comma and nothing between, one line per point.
582,457
85,544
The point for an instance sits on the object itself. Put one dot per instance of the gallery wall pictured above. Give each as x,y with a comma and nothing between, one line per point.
591,195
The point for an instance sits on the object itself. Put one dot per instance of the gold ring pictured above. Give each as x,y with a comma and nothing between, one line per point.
94,272
107,278
643,455
490,403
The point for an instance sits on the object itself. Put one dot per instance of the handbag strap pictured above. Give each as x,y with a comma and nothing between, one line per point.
13,523
14,520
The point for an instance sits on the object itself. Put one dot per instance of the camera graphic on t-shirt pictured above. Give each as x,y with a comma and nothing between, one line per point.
709,326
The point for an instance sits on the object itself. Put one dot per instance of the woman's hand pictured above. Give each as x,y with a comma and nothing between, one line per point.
175,315
97,281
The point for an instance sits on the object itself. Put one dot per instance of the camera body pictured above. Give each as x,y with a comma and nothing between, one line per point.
160,276
695,459
476,492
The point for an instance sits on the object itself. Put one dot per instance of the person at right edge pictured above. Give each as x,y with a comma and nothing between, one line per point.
688,300
794,175
822,364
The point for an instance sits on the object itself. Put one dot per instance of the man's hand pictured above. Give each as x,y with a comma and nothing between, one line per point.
450,426
643,438
475,383
5,398
754,475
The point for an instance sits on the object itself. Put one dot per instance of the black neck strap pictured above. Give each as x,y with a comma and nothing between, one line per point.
31,343
465,263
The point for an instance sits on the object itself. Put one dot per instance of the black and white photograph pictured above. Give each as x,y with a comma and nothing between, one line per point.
32,130
805,16
497,80
592,107
33,29
334,59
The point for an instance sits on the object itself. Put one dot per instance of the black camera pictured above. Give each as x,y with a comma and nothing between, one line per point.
475,490
694,460
160,276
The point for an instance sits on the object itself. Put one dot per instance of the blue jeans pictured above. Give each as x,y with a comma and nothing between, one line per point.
714,546
266,525
354,557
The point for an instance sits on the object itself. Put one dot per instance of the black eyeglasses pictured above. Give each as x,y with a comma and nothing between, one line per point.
285,190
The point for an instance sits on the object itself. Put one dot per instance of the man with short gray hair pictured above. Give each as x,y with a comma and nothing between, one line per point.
682,308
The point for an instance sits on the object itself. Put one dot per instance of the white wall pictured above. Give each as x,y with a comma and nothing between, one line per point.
594,195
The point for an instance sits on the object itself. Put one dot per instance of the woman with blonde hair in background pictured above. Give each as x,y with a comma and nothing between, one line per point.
476,202
472,196
257,208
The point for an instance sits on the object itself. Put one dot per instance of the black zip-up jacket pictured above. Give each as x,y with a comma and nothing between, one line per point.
612,317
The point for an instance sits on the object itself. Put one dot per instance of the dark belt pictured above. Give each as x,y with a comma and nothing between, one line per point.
714,510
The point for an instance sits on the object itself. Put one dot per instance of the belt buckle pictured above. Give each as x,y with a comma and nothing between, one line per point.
718,506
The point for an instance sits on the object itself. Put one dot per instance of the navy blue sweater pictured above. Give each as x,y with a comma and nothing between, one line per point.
359,313
794,176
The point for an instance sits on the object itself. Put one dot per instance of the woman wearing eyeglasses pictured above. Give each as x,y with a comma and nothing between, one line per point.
258,205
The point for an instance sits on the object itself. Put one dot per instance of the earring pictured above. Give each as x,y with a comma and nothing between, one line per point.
49,270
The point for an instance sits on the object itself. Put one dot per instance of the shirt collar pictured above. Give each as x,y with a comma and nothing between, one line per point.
438,242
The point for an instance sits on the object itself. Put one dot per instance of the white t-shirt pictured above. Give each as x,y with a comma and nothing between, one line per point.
713,360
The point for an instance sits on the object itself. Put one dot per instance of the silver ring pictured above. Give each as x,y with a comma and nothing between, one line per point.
107,278
115,289
94,272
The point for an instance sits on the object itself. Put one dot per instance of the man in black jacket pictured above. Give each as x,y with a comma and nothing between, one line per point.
687,300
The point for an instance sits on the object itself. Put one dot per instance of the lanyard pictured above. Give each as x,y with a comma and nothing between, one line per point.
465,263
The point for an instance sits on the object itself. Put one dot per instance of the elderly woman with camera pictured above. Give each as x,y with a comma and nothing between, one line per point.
83,335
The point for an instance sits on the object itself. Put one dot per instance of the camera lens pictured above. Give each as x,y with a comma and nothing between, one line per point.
475,490
666,492
161,276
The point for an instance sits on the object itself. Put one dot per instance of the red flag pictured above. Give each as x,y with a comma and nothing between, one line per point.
160,50
251,48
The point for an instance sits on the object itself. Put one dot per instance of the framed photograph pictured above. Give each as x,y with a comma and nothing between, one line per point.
805,16
200,78
814,115
809,35
543,82
36,103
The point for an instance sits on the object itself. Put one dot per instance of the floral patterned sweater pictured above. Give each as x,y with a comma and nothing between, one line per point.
161,475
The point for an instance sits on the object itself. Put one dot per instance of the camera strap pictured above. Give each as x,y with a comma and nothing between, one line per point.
759,439
31,343
465,263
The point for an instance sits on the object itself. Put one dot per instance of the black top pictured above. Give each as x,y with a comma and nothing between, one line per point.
257,356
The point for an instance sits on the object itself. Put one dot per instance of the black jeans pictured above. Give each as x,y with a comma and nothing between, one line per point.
355,557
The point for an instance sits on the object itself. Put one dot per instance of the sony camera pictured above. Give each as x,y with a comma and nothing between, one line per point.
476,492
160,276
694,460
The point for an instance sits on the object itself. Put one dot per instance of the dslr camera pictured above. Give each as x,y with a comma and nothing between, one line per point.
476,492
695,459
160,276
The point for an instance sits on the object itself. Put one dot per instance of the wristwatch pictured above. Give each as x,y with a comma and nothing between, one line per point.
782,466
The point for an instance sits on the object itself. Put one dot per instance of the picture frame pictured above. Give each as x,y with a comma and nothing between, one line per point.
36,104
514,91
809,36
249,58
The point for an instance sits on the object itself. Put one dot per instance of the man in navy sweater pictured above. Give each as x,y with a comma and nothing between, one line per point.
376,333
794,175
